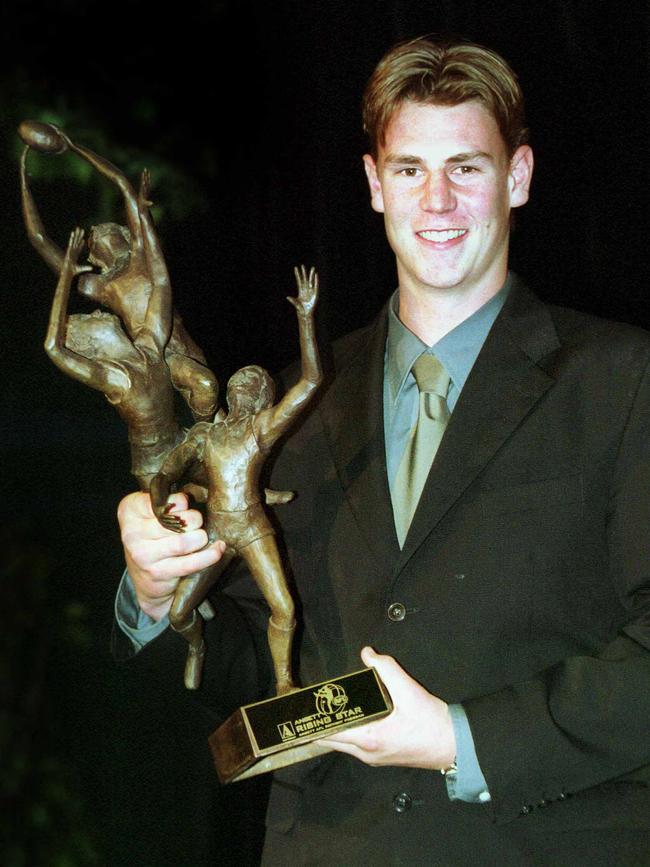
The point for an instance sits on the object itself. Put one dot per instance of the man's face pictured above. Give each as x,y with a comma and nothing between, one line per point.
445,185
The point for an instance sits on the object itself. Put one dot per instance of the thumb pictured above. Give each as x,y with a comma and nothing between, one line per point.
390,671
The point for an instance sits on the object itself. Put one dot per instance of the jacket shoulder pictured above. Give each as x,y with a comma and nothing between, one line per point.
602,344
575,325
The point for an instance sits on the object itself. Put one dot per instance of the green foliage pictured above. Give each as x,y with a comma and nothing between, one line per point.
176,193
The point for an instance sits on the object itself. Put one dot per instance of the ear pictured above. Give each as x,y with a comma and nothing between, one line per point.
376,195
520,175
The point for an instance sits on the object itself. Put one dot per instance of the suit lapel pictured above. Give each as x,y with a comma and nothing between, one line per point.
502,388
352,415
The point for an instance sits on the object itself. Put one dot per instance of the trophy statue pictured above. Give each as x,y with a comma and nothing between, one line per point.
140,353
137,355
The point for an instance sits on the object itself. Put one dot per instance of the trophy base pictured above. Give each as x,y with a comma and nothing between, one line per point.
280,731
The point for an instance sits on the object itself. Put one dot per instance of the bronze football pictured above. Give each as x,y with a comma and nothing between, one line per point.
43,137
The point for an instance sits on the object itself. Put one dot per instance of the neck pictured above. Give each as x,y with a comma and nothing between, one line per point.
432,314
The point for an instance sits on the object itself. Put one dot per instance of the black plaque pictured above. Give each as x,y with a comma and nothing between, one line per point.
270,734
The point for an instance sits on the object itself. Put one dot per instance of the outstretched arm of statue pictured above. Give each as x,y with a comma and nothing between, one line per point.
120,180
89,371
51,254
159,315
270,424
173,467
44,246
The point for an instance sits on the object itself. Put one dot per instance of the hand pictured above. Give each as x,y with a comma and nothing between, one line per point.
417,734
75,246
168,518
73,251
307,291
156,557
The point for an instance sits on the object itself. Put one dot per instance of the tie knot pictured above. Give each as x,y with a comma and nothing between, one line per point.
430,375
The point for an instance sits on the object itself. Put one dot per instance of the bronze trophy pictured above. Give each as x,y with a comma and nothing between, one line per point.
137,355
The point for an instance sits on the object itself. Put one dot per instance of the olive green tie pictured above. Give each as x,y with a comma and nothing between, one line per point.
433,413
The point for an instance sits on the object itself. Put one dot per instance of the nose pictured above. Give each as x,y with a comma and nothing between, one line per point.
437,193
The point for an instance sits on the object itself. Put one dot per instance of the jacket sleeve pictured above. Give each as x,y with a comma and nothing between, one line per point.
237,667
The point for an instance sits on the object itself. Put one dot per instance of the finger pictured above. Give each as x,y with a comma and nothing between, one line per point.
344,739
148,530
180,566
350,749
148,552
137,507
178,502
175,526
389,670
368,656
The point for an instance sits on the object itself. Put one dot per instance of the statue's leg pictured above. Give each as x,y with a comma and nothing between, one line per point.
264,562
196,383
186,620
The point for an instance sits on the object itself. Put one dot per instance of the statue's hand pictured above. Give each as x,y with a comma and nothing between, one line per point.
307,291
75,246
145,190
170,522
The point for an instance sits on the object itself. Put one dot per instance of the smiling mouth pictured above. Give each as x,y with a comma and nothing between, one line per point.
441,235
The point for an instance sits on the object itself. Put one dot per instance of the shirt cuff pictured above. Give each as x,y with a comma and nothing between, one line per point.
467,783
138,626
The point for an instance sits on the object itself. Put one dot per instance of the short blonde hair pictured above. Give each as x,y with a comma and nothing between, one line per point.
444,73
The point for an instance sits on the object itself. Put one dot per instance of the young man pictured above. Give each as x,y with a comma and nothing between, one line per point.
475,510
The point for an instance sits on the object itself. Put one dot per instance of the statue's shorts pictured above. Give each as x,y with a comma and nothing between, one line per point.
238,529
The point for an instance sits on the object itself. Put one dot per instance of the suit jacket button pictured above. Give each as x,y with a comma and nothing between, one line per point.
396,611
525,810
402,802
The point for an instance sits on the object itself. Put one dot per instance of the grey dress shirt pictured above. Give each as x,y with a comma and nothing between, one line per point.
457,351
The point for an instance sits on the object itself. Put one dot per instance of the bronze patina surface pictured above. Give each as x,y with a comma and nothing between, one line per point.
137,352
231,451
138,355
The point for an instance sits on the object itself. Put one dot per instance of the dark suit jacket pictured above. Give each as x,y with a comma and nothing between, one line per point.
526,583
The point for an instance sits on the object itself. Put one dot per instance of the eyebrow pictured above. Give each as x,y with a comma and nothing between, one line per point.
470,156
412,160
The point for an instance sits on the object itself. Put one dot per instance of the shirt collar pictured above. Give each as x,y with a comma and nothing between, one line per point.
457,350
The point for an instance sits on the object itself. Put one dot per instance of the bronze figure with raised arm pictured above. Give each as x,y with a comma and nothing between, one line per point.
131,262
132,374
232,451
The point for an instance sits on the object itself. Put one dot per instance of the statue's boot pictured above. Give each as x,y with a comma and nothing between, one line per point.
206,610
280,641
192,632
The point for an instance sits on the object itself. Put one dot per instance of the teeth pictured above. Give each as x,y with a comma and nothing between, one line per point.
441,235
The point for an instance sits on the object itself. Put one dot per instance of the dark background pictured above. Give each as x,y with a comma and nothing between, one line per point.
247,114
